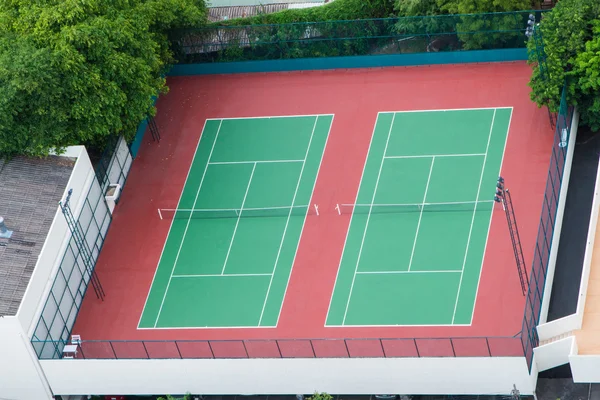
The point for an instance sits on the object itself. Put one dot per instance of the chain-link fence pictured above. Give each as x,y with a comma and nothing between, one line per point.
351,38
77,266
541,257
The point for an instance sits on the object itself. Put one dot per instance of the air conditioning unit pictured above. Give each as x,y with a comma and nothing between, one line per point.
113,191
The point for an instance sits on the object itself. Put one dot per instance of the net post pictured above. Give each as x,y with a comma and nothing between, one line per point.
337,207
316,209
159,214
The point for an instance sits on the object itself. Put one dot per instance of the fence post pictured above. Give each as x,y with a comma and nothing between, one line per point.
146,350
211,349
278,348
416,347
113,349
452,344
382,348
245,349
487,342
178,351
347,349
313,348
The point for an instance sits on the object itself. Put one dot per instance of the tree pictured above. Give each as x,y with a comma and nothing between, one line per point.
320,396
79,71
482,30
571,41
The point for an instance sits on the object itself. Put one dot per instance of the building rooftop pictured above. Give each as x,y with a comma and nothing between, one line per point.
227,11
30,190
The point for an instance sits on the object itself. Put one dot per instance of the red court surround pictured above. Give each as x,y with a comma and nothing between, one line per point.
130,254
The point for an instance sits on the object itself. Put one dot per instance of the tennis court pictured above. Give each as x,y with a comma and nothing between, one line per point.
419,224
234,234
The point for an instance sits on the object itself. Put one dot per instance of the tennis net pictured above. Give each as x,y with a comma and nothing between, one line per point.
481,205
216,213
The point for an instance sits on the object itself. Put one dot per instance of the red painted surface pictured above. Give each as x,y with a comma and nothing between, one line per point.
134,244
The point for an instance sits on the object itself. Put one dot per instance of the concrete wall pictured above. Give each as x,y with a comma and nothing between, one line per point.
559,217
21,376
494,375
56,241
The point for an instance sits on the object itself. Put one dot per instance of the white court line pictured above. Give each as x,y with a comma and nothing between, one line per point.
414,204
444,109
412,253
216,275
351,217
187,226
362,242
473,218
271,117
407,272
253,162
287,223
439,155
393,326
210,327
492,216
238,219
171,226
303,222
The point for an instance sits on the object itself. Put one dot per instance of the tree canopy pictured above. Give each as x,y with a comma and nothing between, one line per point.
437,7
78,71
571,43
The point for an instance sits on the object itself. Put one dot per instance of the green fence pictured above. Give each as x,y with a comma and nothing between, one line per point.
541,257
430,34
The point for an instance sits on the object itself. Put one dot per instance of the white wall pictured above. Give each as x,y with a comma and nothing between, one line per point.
493,375
553,354
56,241
21,376
559,218
559,327
586,369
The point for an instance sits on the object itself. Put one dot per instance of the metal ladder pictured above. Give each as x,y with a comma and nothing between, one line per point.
82,246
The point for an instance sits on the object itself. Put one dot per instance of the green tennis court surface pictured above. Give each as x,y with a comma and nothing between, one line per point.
221,266
419,225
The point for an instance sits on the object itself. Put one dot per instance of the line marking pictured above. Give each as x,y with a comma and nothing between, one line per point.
217,275
492,215
206,327
187,224
412,253
351,217
271,116
362,242
303,222
287,223
407,272
473,218
171,225
237,222
439,155
413,204
253,162
444,109
392,326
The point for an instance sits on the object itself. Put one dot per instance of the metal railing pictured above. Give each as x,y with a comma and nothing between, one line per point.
294,348
351,38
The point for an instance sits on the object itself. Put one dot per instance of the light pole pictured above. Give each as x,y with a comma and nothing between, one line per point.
534,32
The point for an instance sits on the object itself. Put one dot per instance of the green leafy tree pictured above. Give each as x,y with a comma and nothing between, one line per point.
570,40
78,71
